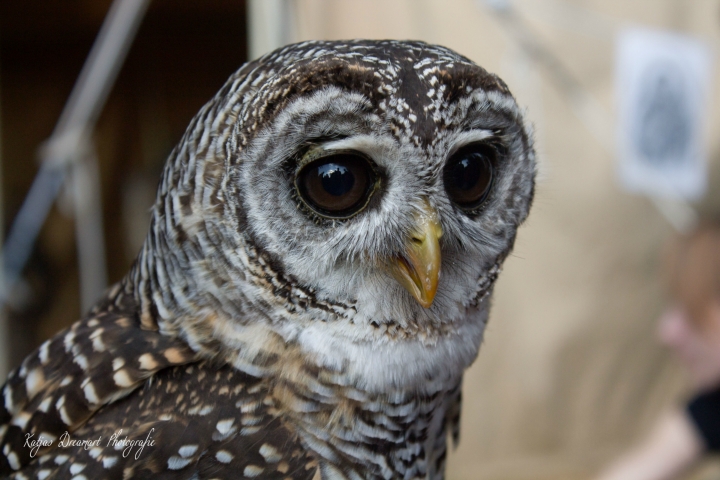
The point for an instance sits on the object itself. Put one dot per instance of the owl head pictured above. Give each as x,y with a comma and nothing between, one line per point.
342,193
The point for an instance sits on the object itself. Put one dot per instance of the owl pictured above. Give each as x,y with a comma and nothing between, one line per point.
315,280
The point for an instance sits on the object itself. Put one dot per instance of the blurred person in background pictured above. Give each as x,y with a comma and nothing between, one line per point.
690,326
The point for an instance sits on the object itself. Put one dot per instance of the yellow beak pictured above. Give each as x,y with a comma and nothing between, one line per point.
418,269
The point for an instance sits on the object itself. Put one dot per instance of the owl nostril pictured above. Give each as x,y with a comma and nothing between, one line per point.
417,240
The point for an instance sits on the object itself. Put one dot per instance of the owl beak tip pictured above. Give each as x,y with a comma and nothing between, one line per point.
418,270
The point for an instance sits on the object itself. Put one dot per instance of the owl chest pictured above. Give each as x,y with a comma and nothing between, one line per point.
356,436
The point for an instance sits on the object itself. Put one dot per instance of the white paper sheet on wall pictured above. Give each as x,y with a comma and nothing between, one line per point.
662,90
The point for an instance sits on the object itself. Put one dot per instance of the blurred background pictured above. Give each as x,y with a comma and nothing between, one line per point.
571,372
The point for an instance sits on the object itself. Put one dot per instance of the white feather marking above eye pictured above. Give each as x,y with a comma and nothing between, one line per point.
468,137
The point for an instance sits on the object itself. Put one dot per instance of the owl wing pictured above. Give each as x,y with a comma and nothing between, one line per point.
196,421
75,374
120,401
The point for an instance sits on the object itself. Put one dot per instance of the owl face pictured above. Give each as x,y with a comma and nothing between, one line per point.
395,197
347,197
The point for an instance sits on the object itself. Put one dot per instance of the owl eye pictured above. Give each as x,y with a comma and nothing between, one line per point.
337,186
468,176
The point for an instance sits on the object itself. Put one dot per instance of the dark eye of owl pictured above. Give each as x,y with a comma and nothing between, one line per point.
468,175
337,186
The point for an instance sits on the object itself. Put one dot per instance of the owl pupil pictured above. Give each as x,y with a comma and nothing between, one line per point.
468,176
336,179
466,173
338,185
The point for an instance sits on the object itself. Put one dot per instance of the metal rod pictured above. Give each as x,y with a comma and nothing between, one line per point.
85,182
102,66
66,144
